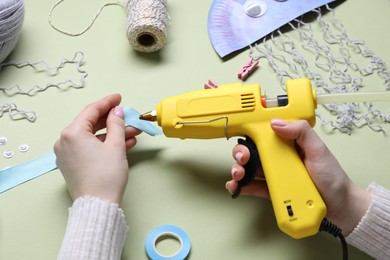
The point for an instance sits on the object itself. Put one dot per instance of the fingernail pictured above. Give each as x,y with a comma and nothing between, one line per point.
238,156
234,172
278,122
227,185
118,111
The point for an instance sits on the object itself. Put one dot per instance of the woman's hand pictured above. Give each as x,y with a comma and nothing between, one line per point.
96,165
346,202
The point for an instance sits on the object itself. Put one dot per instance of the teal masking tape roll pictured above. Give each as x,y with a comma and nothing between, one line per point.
168,230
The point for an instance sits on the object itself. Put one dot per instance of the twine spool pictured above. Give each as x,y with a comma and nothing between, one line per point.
148,24
11,22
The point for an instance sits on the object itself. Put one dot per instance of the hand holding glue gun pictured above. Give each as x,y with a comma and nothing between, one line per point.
241,110
346,202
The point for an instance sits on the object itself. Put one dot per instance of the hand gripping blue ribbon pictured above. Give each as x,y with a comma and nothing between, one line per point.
24,172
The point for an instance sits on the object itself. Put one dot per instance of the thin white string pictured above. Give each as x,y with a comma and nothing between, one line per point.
120,3
12,109
53,70
16,114
338,67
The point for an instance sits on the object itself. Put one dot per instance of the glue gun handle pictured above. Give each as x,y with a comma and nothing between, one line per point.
298,206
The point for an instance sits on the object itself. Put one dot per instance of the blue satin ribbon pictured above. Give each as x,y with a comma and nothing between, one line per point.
24,172
16,175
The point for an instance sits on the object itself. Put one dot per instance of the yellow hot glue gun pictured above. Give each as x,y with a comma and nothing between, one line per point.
240,110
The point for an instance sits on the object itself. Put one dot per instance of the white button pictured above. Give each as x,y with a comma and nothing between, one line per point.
255,8
23,147
8,154
3,140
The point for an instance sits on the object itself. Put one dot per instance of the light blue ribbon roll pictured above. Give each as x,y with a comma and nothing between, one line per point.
24,172
168,230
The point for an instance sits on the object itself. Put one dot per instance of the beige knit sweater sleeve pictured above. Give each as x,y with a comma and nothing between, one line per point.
372,234
96,229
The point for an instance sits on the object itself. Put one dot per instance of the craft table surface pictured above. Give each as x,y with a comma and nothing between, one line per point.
170,181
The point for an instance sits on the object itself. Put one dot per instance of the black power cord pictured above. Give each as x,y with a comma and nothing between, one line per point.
334,230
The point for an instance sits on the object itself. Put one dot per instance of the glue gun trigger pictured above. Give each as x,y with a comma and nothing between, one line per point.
250,167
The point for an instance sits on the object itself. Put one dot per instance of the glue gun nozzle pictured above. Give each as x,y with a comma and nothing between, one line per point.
149,116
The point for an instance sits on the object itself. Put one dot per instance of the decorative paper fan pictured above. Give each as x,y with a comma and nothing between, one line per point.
235,24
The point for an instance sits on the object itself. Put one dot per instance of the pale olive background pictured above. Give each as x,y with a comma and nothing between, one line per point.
170,181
